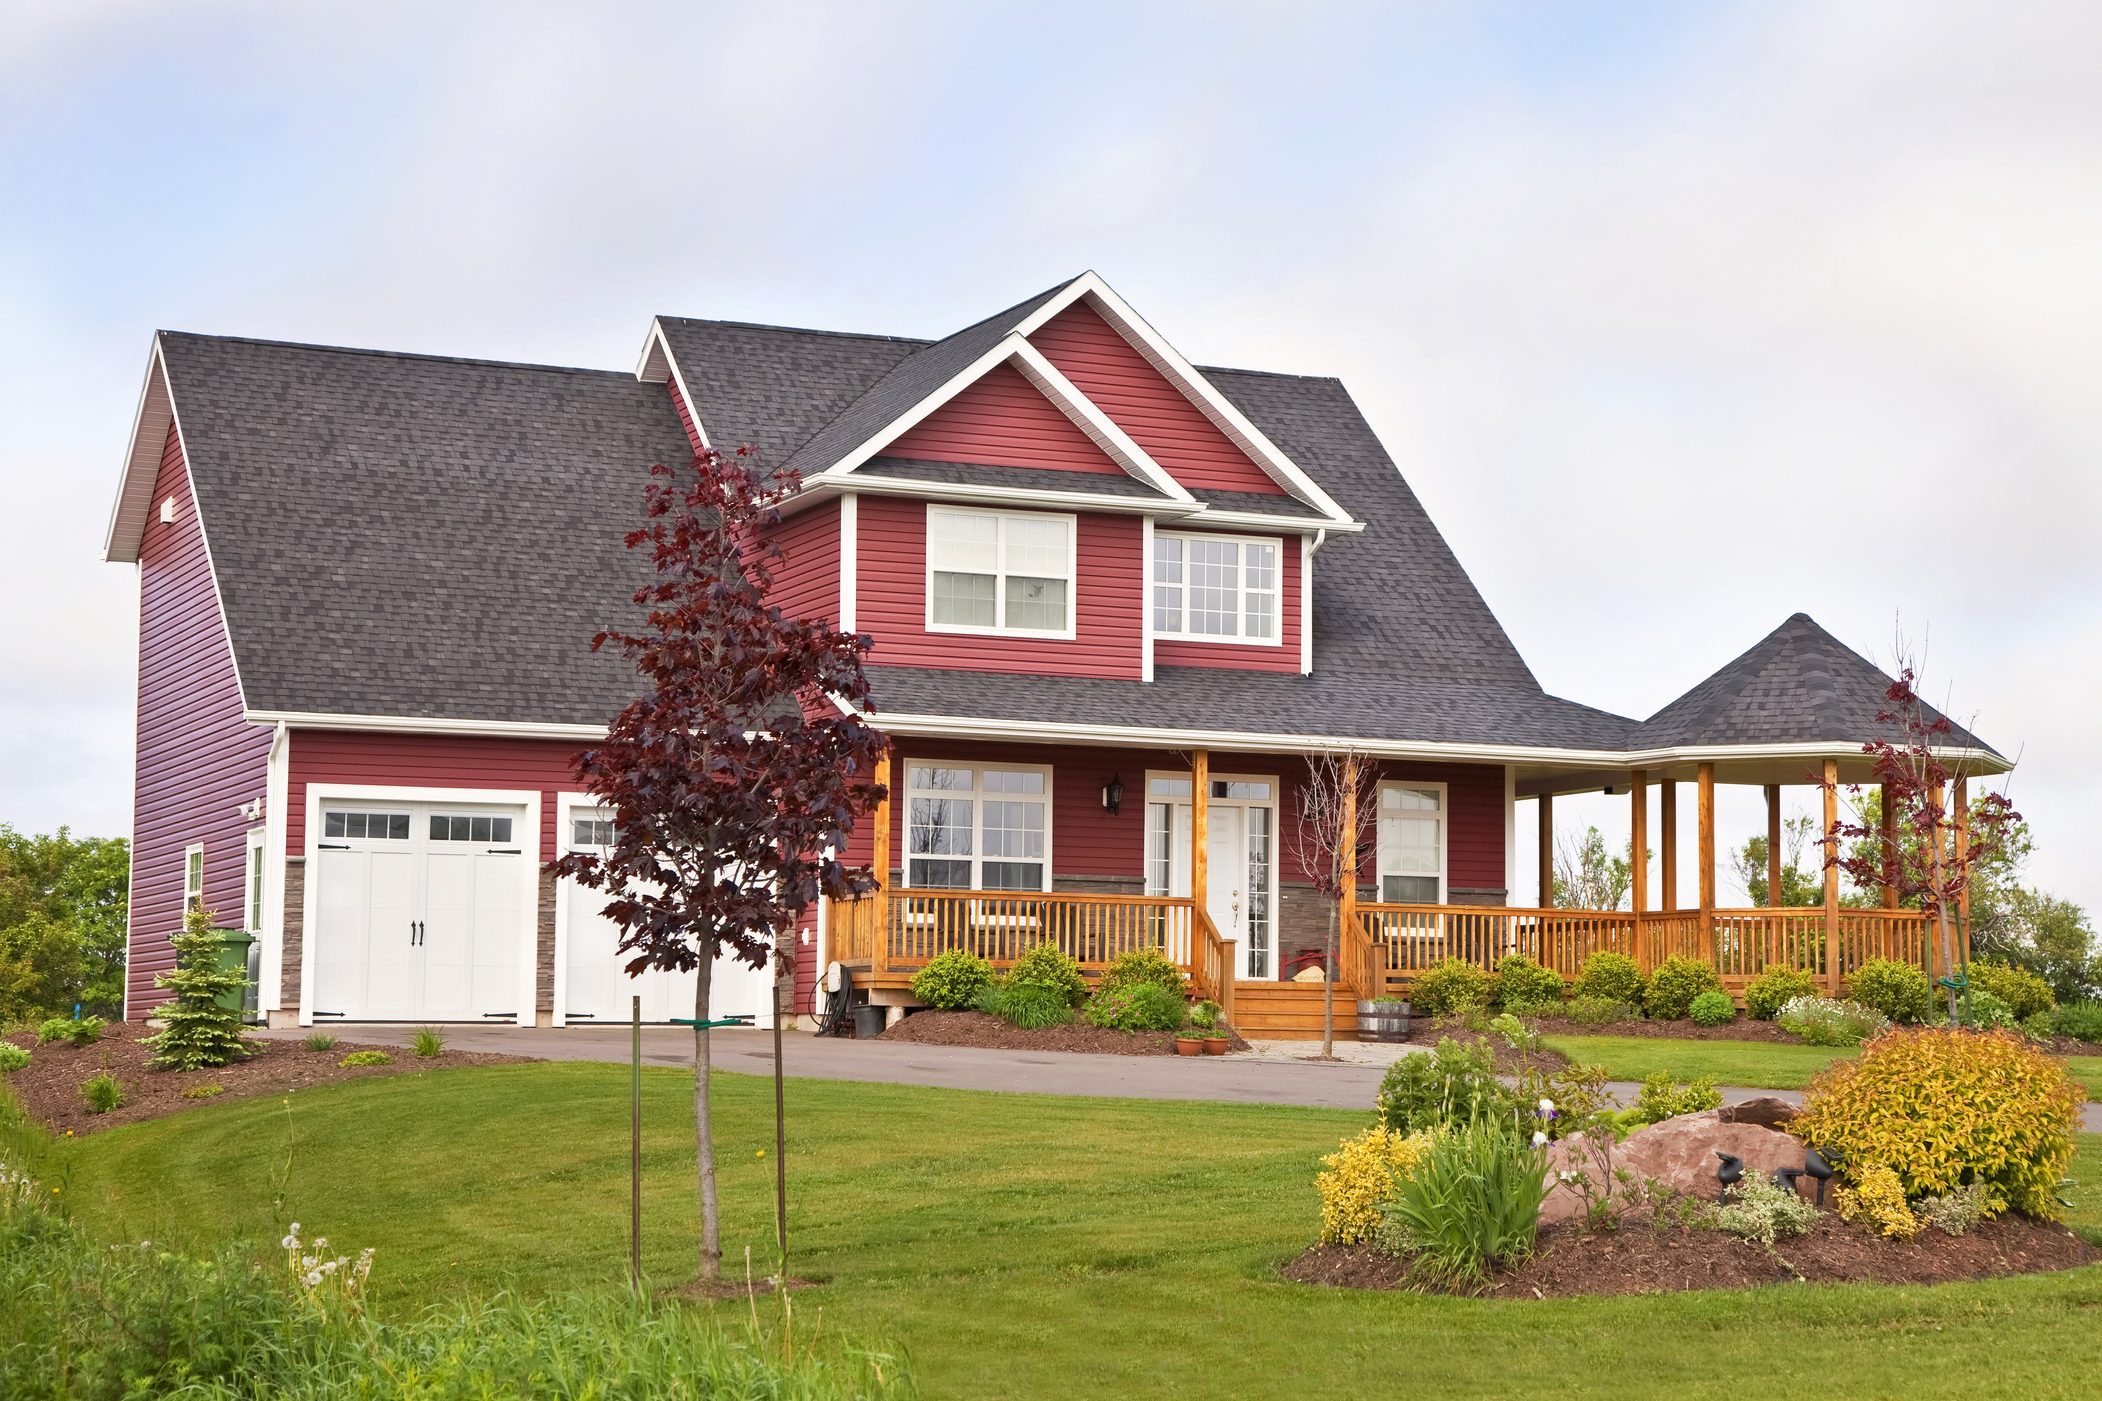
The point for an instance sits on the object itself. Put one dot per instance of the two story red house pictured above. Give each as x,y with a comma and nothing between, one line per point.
1116,600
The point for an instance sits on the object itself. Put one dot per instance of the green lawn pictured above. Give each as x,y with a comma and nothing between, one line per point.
2088,1071
1016,1245
1762,1065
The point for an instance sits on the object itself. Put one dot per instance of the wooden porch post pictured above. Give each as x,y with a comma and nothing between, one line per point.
1831,850
1200,829
1889,841
1773,845
1668,817
879,862
1963,852
1547,851
1638,841
1347,902
1704,821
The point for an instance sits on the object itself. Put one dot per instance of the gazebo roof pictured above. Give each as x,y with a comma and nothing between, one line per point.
1798,685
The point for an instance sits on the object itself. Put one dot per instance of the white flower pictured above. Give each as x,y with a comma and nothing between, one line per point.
295,1228
321,1242
313,1278
1547,1106
1539,1139
290,1242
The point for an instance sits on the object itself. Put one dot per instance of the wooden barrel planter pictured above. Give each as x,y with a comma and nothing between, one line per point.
1386,1019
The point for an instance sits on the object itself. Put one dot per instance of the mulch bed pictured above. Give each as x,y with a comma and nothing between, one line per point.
1642,1259
48,1088
931,1028
1743,1029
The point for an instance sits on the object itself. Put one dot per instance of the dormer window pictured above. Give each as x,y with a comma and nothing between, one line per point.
1215,588
999,572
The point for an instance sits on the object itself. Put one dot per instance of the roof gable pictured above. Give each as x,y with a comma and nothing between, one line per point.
1002,420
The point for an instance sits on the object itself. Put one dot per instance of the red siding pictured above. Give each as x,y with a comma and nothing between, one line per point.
1006,421
197,759
1142,402
891,574
685,413
1282,656
806,577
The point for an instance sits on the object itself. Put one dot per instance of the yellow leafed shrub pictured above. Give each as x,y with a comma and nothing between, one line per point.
1360,1176
1940,1108
1879,1199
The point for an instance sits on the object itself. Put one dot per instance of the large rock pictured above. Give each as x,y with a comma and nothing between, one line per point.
1767,1110
1679,1153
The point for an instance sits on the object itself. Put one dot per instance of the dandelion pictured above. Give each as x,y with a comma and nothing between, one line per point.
290,1243
313,1278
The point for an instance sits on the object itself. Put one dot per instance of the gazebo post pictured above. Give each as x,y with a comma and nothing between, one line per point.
1831,845
1638,841
1704,820
1547,851
1668,818
1773,846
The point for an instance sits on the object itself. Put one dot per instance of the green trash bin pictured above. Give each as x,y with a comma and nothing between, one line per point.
234,946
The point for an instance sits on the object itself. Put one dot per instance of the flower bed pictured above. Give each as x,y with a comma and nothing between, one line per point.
982,1029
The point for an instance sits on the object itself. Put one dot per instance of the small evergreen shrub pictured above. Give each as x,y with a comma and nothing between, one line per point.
1029,1006
12,1057
1612,976
1899,991
1526,989
1762,1211
1601,1011
1663,1098
321,1041
1141,967
1138,1007
357,1058
2082,1021
1941,1109
1712,1008
1449,987
85,1031
952,980
1821,1021
1767,994
102,1092
1981,1011
1452,1084
200,1030
1048,967
2024,993
1675,984
1471,1206
1359,1178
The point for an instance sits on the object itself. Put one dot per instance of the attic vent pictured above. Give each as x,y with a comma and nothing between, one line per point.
167,510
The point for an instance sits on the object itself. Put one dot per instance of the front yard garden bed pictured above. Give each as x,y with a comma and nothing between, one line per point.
49,1087
931,1028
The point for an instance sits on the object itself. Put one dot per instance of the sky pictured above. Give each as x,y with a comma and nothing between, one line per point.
1680,318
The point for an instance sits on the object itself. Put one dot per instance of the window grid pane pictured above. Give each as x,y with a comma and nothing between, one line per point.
1215,589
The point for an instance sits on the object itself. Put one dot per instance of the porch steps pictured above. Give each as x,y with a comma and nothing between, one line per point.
1290,1011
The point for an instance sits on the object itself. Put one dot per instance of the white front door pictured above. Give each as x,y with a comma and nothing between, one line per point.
1239,893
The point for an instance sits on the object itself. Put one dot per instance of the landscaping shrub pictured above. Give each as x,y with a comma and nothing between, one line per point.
952,980
1452,1084
1663,1098
1822,1021
84,1032
1675,984
1899,991
2080,1020
1712,1008
356,1058
1526,989
1762,1211
204,1092
1048,967
1954,1213
1449,987
1981,1011
1613,977
1942,1109
102,1092
1877,1196
1205,1015
1767,994
1471,1206
12,1057
1139,1007
428,1042
1358,1179
2024,993
1515,1032
1142,967
1601,1011
1029,1006
201,1023
321,1041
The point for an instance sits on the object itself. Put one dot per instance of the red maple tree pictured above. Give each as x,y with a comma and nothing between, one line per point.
735,780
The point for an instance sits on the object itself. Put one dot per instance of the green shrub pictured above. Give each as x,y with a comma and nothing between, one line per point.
2082,1021
1026,1005
1675,984
1452,1084
201,1023
428,1042
84,1032
1524,987
2024,993
1821,1021
357,1058
1205,1015
321,1041
1141,967
1449,987
1471,1206
1663,1098
1766,994
12,1057
952,980
1981,1011
204,1092
1762,1211
1612,976
1138,1007
102,1092
1601,1011
1048,967
1943,1108
1899,991
1713,1008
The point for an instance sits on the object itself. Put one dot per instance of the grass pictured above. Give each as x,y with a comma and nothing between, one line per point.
2088,1071
1013,1245
1765,1065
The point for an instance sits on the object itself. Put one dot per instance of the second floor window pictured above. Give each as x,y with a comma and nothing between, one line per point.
1215,587
989,571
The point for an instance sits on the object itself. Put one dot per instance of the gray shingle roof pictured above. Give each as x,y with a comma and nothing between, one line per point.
1797,685
774,387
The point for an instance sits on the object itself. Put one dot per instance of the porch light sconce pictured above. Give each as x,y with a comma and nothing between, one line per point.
1113,795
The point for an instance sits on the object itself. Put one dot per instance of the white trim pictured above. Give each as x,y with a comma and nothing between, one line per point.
277,791
423,725
528,843
1186,378
204,877
1277,590
1065,634
566,807
658,365
849,559
1211,516
254,883
150,419
977,795
1379,875
1510,834
816,488
1146,599
1306,605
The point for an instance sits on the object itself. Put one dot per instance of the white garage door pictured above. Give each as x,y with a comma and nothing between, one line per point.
421,912
597,986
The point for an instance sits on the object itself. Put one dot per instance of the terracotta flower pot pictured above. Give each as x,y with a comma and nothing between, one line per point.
1189,1046
1215,1045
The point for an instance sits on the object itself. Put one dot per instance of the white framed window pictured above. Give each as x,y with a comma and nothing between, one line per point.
1410,845
252,883
193,878
1000,572
367,826
1216,588
458,827
977,827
